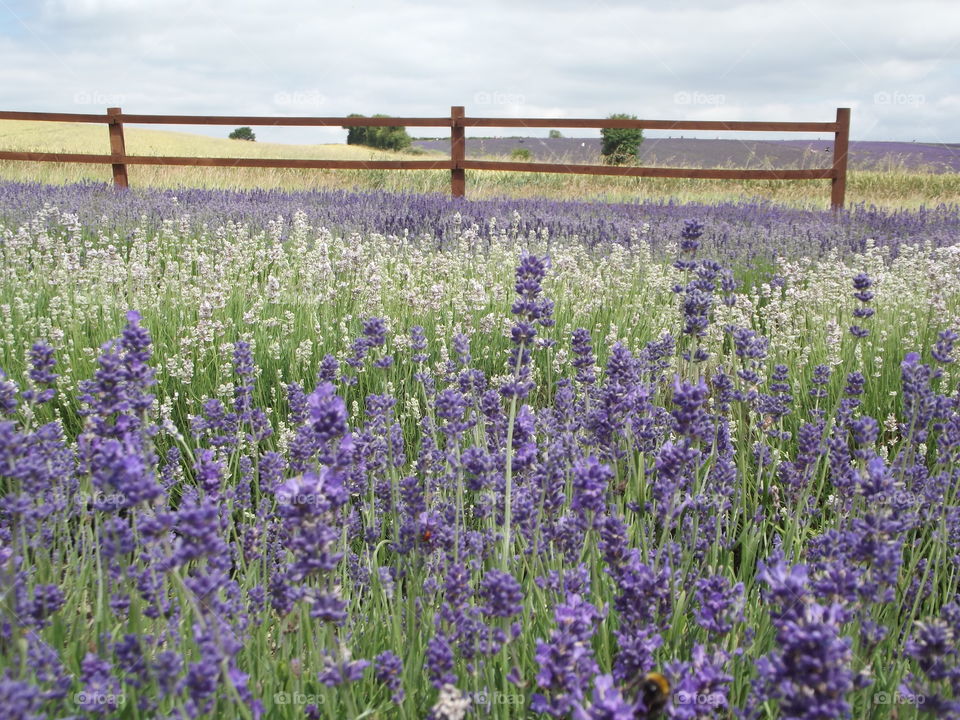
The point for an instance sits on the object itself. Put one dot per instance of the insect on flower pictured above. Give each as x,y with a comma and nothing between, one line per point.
427,534
654,689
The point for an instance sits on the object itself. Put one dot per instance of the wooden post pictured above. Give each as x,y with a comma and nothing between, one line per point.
458,179
841,146
117,148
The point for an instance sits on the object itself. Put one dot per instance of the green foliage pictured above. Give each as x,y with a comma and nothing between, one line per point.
355,135
520,154
393,137
554,134
243,133
620,145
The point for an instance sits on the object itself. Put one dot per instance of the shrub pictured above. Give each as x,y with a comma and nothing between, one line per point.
620,145
243,133
392,137
520,154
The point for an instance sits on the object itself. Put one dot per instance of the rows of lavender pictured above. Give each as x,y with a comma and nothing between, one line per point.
723,152
737,234
387,474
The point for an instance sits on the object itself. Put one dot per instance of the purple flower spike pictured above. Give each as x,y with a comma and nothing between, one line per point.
328,412
502,594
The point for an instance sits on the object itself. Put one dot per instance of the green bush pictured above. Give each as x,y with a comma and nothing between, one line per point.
391,137
520,154
243,133
620,145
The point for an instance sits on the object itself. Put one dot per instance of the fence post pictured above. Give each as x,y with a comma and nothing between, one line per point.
117,148
841,146
458,180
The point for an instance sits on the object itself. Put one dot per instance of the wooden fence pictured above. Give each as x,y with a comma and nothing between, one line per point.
458,163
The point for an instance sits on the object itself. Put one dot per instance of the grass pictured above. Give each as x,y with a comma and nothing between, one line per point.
896,187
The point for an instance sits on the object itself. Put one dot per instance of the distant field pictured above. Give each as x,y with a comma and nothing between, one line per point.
707,152
904,181
84,137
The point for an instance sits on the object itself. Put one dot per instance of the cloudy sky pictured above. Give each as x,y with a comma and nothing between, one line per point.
896,64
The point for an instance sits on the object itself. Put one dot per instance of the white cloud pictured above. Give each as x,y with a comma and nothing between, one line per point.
685,59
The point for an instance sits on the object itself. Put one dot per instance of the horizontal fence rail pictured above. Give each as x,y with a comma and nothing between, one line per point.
458,164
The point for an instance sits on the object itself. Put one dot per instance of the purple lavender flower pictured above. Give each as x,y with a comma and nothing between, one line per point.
530,309
529,305
328,413
861,283
607,703
308,503
388,669
566,660
461,346
341,672
701,688
439,661
373,335
943,349
47,599
583,359
590,481
42,362
8,395
243,366
919,401
690,419
720,604
933,646
328,369
418,343
122,474
821,377
689,235
101,691
810,671
209,472
20,700
501,594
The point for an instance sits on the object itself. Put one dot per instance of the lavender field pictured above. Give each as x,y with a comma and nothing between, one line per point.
373,455
724,152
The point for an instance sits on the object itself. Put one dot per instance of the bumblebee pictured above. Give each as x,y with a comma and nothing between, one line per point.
654,689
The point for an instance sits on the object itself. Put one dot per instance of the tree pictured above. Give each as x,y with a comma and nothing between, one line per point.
620,145
356,135
243,133
390,137
554,134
